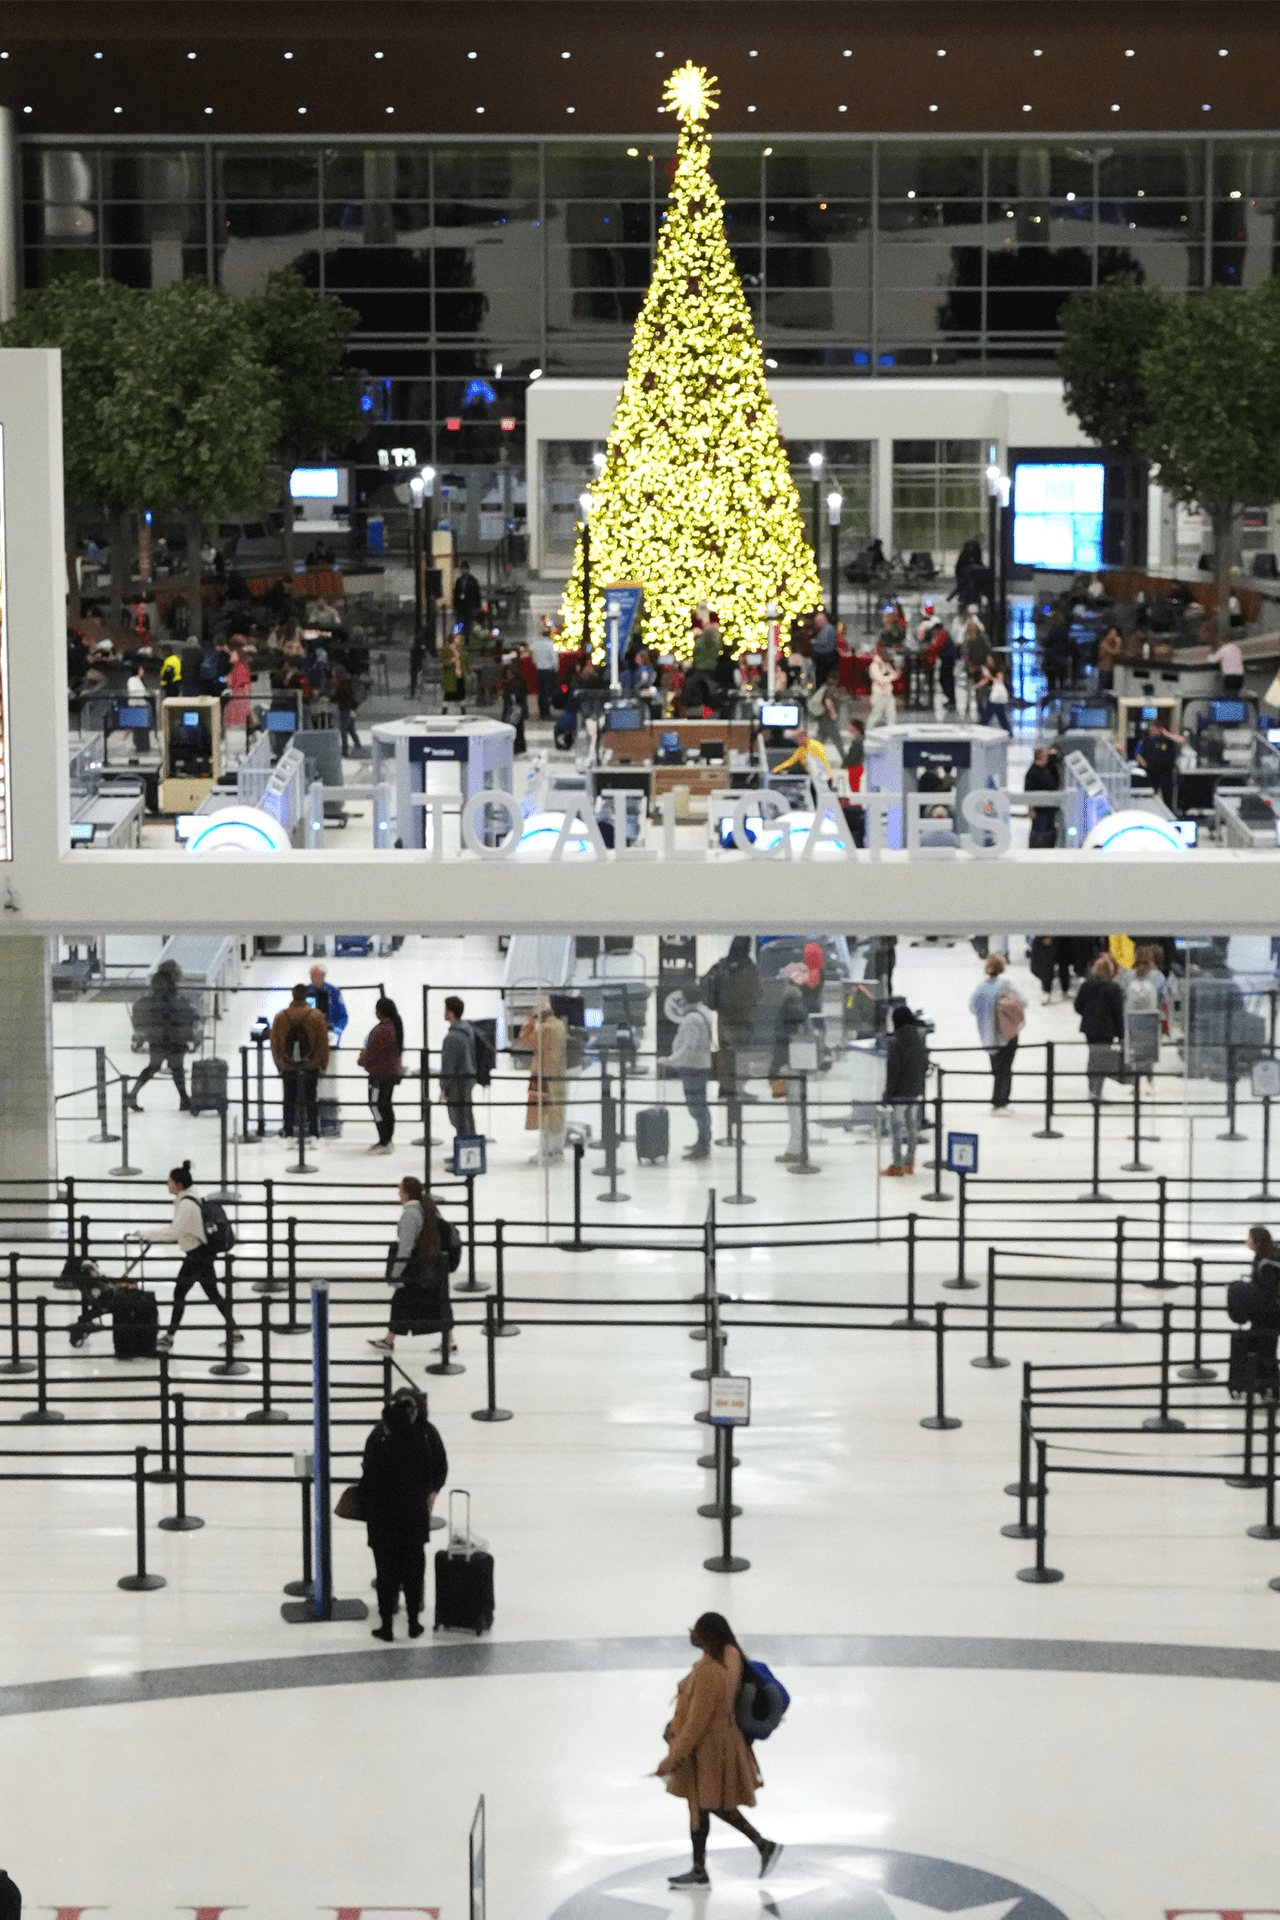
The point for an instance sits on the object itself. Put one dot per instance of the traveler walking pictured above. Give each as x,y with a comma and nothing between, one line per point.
427,1250
906,1063
382,1057
515,703
790,1019
823,648
300,1049
466,597
458,1066
1000,1011
883,709
690,1058
188,1229
169,1023
346,699
1050,956
1100,1005
545,1039
404,1467
708,1762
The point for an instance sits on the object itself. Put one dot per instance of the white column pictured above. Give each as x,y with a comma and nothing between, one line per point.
28,1139
9,205
882,518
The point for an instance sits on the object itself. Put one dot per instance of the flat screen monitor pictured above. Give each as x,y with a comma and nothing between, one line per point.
82,832
622,720
1057,515
1090,719
319,483
779,713
1273,736
1151,713
1188,831
135,717
281,720
593,1016
191,722
1227,713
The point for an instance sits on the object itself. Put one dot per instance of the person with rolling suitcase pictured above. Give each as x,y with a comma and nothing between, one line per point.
201,1230
464,1577
405,1466
168,1024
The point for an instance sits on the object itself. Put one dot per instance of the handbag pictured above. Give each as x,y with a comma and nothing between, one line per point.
350,1503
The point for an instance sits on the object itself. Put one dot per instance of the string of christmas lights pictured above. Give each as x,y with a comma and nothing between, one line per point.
696,499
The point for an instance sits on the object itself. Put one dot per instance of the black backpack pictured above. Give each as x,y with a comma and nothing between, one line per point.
219,1234
299,1045
453,1245
485,1055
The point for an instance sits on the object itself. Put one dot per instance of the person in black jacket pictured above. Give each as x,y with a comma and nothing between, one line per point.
405,1466
1254,1305
906,1063
10,1898
1043,776
169,1023
1100,1005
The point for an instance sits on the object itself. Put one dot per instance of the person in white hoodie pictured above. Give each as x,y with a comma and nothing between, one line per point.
197,1269
690,1057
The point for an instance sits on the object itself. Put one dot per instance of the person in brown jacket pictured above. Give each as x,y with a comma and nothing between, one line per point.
546,1039
708,1761
300,1049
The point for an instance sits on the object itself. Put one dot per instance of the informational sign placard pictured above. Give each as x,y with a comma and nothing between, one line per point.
962,1152
469,1155
622,602
729,1402
1265,1079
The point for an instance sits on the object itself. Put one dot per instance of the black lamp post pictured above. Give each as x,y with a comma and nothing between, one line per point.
584,502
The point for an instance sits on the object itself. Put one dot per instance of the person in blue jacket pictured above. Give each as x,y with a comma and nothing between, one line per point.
329,1004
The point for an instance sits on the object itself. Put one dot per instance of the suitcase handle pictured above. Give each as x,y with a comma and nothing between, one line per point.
457,1539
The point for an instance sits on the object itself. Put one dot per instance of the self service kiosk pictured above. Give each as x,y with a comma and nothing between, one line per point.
426,769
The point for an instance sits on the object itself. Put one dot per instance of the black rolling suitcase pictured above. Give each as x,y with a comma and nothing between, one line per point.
135,1322
653,1133
464,1578
208,1085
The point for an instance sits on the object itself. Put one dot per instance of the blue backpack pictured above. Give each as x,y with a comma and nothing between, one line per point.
762,1701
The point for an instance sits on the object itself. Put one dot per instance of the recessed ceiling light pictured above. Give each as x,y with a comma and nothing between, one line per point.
301,109
114,109
1071,196
1115,106
633,153
208,109
1235,193
1142,193
1036,52
1205,107
1026,108
191,56
843,109
471,56
750,109
1128,53
1222,53
771,363
911,193
97,56
288,56
564,56
942,53
377,56
390,109
571,109
754,54
933,109
479,109
659,55
767,152
848,53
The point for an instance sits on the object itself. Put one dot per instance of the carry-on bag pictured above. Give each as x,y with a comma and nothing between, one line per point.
328,1111
653,1133
464,1576
208,1085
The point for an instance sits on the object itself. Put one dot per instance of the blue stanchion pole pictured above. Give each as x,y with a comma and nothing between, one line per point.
321,1604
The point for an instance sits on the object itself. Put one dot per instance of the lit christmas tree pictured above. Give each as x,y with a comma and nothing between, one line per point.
695,500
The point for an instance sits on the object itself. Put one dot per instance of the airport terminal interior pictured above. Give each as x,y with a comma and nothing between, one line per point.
639,960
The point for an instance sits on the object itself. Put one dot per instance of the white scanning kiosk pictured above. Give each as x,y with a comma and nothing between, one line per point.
426,768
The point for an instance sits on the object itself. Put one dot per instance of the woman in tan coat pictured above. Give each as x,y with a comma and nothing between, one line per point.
545,1038
708,1761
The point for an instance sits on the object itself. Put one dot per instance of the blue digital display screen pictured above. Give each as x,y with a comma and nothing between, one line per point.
1057,515
281,722
1090,719
137,716
1227,713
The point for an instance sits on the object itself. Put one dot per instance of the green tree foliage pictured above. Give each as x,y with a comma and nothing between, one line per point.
302,337
1105,334
1212,382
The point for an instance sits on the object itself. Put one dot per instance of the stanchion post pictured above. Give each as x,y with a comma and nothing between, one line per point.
990,1358
1231,1132
303,1164
1164,1421
103,1137
229,1366
266,1414
938,1196
124,1171
1117,1323
726,1561
609,1127
42,1414
140,1581
1137,1164
961,1283
491,1411
504,1330
305,1588
244,1093
163,1474
1265,1195
1095,1191
321,1605
1246,1476
804,1164
15,1364
1040,1575
69,1201
1162,1231
1268,1530
939,1420
1023,1487
737,1198
291,1272
471,1284
1197,1370
180,1521
911,1318
1048,1131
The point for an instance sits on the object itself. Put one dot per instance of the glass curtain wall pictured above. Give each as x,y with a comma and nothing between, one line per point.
469,265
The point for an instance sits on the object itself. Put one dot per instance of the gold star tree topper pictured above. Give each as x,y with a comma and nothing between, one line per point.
691,93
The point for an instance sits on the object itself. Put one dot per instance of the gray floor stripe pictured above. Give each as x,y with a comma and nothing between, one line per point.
477,1658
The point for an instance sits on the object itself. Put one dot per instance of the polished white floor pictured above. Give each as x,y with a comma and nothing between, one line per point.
855,1520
